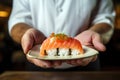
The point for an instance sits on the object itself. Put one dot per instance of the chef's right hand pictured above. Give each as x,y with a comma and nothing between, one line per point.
31,38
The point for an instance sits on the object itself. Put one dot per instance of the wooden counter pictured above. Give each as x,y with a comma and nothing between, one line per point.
17,75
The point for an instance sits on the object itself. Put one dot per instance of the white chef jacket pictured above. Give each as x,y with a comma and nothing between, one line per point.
61,16
66,16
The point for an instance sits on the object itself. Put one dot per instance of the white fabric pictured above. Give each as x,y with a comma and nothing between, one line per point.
66,16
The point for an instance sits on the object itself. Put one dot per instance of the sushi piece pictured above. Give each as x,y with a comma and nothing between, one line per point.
61,45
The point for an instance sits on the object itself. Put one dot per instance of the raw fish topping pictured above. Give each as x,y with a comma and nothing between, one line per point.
60,44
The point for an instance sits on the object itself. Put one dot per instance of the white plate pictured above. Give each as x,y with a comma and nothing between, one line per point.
34,53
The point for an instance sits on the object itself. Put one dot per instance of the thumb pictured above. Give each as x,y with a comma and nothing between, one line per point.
27,43
97,42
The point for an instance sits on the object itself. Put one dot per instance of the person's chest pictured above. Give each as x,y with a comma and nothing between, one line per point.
61,15
62,8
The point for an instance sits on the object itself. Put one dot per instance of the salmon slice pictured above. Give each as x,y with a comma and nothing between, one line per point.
56,41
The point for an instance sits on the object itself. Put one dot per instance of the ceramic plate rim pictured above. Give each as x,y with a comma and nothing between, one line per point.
34,53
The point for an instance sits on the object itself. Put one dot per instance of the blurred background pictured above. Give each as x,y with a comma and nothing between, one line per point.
12,57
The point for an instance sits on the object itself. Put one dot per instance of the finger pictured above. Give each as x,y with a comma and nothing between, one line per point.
94,58
84,61
98,43
38,36
68,61
72,62
40,63
80,62
56,63
27,43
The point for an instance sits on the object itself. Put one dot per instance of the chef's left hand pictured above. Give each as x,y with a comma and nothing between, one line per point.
91,39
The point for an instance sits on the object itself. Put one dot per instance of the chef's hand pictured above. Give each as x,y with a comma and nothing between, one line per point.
91,39
31,38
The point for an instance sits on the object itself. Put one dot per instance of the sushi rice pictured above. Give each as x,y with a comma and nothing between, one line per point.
62,52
